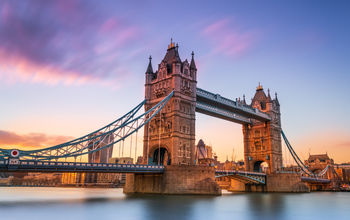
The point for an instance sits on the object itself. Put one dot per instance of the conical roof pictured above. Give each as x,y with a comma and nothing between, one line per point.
260,95
193,64
149,68
172,54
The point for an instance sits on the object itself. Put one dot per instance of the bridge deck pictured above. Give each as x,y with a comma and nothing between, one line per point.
243,176
42,166
218,106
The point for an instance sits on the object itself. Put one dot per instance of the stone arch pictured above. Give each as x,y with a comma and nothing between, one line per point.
261,166
159,153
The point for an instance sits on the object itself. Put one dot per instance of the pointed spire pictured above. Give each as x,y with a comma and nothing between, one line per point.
171,45
149,68
268,96
276,99
259,87
244,102
193,64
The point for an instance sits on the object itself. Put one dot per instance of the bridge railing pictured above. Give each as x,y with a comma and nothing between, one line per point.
72,166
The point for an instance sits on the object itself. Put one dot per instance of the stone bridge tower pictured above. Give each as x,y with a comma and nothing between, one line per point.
169,138
262,140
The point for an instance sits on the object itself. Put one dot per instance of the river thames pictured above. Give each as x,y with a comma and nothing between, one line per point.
103,203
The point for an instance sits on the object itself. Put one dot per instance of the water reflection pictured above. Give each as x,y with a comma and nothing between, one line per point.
75,203
266,206
171,207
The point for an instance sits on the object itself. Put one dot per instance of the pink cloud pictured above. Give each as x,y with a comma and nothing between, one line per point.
226,38
10,139
17,68
64,42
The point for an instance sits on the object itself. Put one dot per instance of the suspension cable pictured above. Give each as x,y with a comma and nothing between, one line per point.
160,129
148,136
136,145
130,145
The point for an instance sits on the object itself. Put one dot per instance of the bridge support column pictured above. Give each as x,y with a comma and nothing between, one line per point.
262,140
176,179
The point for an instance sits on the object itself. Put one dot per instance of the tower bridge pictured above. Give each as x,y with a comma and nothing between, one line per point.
172,100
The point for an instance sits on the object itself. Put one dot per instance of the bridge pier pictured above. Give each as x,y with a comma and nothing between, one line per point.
176,179
276,182
285,182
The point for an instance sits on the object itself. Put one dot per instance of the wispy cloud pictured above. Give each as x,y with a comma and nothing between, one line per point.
67,42
11,139
227,38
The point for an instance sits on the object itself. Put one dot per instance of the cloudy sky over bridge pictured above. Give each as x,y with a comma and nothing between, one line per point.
69,67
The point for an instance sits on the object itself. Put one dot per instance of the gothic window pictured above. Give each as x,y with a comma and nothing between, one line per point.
169,68
186,71
257,145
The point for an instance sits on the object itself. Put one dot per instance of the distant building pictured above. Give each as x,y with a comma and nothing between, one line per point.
121,160
101,156
204,154
316,163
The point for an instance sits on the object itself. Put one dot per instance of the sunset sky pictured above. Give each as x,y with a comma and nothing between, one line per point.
70,67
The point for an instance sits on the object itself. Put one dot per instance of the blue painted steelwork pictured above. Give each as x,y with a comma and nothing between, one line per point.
246,177
50,166
302,166
120,129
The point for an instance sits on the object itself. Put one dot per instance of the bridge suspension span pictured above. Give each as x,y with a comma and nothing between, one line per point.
105,137
300,163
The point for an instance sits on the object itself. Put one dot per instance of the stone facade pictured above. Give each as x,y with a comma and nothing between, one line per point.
285,182
177,179
262,140
170,136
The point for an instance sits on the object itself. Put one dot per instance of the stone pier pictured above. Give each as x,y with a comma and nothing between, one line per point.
277,182
177,179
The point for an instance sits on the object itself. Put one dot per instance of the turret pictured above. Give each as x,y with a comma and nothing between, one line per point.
193,68
149,71
149,68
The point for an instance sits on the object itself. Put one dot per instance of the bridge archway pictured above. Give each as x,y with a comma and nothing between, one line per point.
261,166
161,156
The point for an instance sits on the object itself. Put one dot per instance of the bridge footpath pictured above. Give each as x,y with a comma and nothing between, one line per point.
48,166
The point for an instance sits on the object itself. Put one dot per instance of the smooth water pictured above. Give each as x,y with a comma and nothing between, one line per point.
100,204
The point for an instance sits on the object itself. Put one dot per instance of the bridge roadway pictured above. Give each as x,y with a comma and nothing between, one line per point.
217,106
15,165
48,166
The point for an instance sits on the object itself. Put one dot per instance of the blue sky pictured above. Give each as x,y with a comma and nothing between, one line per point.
68,67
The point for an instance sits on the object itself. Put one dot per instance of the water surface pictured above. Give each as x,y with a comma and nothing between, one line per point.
98,204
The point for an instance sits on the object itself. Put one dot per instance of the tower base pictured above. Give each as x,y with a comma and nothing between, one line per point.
176,180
